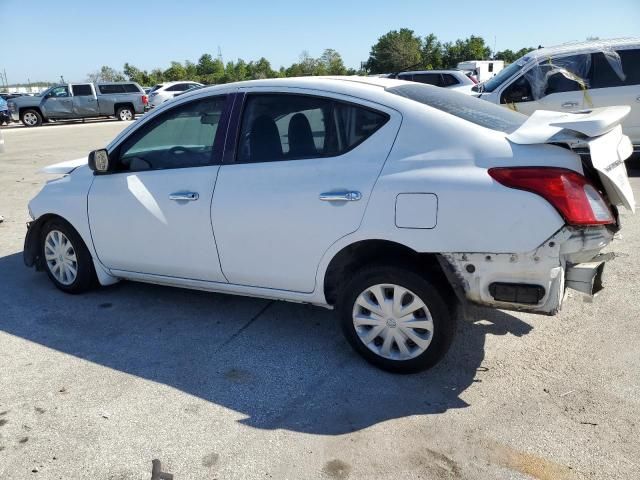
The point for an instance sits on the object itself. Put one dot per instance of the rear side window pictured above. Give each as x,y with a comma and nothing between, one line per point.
180,87
602,74
287,127
449,80
82,90
110,89
468,108
428,78
131,88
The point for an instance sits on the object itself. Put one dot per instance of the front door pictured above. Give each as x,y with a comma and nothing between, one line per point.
152,215
300,180
85,103
58,103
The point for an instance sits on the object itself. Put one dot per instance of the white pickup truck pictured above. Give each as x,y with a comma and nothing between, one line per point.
80,100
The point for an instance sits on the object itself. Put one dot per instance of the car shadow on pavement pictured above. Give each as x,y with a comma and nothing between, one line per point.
282,365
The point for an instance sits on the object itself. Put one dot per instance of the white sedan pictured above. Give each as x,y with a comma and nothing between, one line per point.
389,201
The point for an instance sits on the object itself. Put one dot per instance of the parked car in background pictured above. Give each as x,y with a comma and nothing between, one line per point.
168,90
482,70
452,79
573,77
389,201
5,115
80,100
9,96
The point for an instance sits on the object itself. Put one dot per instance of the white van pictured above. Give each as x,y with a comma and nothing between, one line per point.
571,77
483,70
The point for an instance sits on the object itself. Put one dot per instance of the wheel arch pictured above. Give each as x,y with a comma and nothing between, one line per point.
31,251
117,106
36,108
33,239
366,252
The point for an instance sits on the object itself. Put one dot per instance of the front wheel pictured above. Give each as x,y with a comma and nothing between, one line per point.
66,258
396,319
31,118
125,114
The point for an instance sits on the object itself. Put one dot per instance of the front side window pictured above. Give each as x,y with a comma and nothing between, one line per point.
519,91
179,138
82,90
59,92
287,127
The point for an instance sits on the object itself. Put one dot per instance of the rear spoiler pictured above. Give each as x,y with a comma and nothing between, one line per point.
543,126
600,130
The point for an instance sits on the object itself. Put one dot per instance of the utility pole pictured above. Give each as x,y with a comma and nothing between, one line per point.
220,54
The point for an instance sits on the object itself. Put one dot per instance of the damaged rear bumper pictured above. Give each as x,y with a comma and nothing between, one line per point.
533,281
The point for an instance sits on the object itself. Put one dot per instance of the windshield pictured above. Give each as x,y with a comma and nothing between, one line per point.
468,108
155,88
494,82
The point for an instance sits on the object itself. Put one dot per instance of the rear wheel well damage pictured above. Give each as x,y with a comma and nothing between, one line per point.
368,252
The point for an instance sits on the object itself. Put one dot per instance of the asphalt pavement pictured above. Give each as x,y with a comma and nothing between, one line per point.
96,386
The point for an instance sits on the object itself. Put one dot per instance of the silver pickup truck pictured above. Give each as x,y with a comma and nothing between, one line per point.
80,100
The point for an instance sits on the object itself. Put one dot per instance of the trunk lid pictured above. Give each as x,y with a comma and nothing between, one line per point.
594,134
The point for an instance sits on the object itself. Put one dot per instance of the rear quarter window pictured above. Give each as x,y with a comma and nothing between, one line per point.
132,88
468,108
109,89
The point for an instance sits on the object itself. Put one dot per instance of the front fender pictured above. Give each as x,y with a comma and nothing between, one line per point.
31,252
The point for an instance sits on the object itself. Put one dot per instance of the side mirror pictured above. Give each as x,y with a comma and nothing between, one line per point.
99,161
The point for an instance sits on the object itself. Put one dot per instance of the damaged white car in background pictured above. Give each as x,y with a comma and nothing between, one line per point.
390,201
573,77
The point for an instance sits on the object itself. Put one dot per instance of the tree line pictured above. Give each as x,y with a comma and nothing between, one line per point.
394,51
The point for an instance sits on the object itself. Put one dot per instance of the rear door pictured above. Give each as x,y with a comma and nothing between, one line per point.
608,88
298,180
85,103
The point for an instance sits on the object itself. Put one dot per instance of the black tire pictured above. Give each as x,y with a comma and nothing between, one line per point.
33,118
443,321
85,278
123,112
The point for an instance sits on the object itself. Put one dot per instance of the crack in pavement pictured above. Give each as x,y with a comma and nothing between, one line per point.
245,326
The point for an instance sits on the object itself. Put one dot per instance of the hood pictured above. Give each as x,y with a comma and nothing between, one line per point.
26,101
598,129
64,168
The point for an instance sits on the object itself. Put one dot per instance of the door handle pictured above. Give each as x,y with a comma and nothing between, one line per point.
340,196
637,99
569,104
184,196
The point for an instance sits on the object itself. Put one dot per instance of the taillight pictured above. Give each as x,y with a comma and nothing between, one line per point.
569,192
145,99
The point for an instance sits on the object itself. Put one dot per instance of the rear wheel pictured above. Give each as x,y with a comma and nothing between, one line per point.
396,319
31,118
125,114
66,258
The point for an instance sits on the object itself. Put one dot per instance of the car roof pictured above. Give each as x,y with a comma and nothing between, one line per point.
330,83
431,71
584,47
